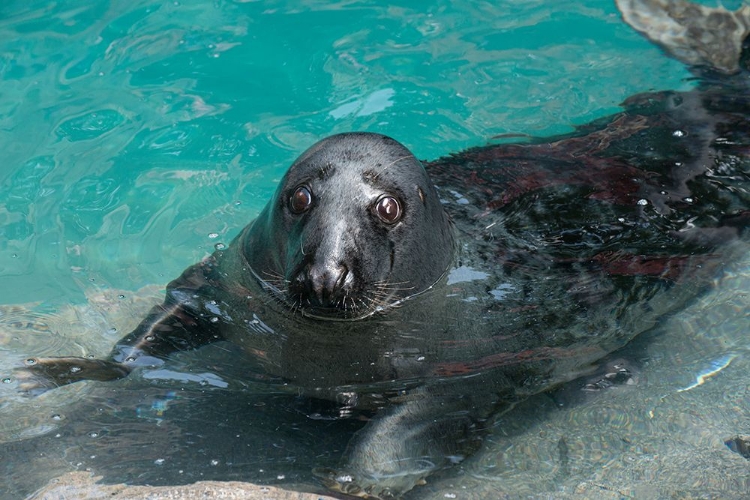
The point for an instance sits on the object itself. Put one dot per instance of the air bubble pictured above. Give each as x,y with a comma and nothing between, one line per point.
679,133
30,362
6,380
159,461
220,246
214,462
280,477
93,434
75,369
121,296
213,235
214,320
150,338
57,416
643,202
688,200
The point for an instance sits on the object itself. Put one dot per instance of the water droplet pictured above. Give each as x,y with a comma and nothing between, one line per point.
688,200
214,462
159,461
129,359
150,338
30,362
213,235
6,380
57,416
75,369
112,330
220,246
214,320
14,256
643,202
679,133
58,435
237,203
93,434
121,296
280,477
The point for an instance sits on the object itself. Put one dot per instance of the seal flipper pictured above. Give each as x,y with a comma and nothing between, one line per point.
404,444
175,325
694,34
43,374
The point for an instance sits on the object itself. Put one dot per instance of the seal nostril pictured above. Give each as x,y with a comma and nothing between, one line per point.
343,272
325,284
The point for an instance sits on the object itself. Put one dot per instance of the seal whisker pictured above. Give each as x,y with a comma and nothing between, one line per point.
386,167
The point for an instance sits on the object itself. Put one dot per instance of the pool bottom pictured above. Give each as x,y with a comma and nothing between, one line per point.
661,437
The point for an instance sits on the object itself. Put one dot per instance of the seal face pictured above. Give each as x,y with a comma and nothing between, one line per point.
355,226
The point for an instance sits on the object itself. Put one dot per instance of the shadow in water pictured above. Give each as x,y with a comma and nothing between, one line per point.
167,432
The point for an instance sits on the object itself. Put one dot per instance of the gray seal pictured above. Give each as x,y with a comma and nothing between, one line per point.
436,295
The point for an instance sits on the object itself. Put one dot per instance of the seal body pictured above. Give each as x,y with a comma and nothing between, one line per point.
438,294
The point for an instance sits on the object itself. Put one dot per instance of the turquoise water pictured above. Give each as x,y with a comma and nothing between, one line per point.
134,130
137,136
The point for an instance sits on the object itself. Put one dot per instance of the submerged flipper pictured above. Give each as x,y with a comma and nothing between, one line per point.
692,33
182,322
43,374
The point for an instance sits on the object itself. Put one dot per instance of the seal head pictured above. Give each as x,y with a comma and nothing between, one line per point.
354,227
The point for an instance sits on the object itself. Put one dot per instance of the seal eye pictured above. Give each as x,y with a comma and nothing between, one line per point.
301,200
388,209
